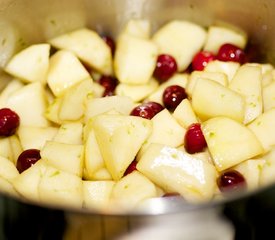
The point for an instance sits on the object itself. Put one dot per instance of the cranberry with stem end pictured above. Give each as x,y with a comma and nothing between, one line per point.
231,180
147,110
110,42
165,68
109,83
229,52
27,158
201,60
9,122
194,140
172,96
132,167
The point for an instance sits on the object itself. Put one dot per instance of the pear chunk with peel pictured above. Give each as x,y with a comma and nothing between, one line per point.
88,46
30,64
119,139
230,142
176,171
211,99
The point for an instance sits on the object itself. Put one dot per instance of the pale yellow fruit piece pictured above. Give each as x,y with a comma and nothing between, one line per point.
102,175
52,111
166,130
177,171
35,137
60,188
88,46
180,79
96,106
267,176
137,92
135,59
7,188
29,102
269,96
181,39
70,133
184,114
218,77
93,160
132,189
27,182
211,99
8,170
229,142
96,194
228,68
16,147
264,129
72,107
65,157
11,87
251,170
5,150
248,82
30,64
219,35
115,131
65,70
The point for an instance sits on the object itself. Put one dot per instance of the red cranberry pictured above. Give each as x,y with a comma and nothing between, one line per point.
230,52
165,68
9,122
109,83
27,158
201,59
172,96
132,167
147,110
194,140
110,42
231,180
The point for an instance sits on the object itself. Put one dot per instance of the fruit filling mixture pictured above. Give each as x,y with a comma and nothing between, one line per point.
88,122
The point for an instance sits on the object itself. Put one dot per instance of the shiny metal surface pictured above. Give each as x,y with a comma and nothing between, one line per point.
38,20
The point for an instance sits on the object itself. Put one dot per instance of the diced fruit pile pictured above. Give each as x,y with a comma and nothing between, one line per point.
182,112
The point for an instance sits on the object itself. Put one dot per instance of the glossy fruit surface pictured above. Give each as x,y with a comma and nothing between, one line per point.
166,67
110,42
172,96
201,59
132,167
231,180
27,158
109,83
9,122
194,140
147,110
230,52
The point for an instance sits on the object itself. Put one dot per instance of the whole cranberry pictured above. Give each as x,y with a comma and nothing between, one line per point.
9,122
201,59
109,83
165,68
26,159
172,96
147,110
229,52
231,180
110,42
194,140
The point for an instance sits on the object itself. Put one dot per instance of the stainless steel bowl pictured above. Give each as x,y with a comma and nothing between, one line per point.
37,20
